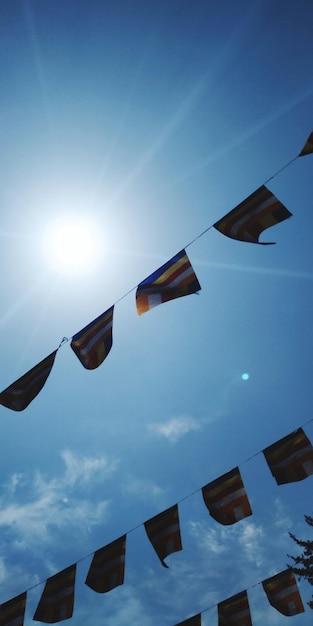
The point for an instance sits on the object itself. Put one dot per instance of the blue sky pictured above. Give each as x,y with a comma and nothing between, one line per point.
152,120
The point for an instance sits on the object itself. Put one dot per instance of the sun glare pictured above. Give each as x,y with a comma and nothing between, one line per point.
72,245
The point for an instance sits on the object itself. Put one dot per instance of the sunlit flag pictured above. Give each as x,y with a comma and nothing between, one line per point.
20,394
164,533
226,498
12,612
234,610
290,459
283,594
308,146
192,621
248,220
107,567
174,279
93,343
57,601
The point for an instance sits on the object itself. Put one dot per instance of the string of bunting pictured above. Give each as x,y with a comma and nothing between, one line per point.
289,459
174,279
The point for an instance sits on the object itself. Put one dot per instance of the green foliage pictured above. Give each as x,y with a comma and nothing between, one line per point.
303,564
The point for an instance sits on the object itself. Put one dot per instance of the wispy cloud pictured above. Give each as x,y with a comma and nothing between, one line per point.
143,489
176,427
32,505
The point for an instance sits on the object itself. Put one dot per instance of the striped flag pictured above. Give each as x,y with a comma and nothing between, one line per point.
283,594
107,567
57,601
164,533
308,146
93,343
226,498
290,459
174,279
234,610
12,612
248,220
192,621
20,394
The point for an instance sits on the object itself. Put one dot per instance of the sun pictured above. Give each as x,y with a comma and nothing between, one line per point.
72,244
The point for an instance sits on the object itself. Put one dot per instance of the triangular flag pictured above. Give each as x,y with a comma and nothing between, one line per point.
308,146
174,279
248,220
107,567
12,612
283,594
93,343
192,621
234,610
164,533
226,498
20,394
57,601
290,459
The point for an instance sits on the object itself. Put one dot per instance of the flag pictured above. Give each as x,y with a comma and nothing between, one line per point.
290,459
174,279
192,621
164,533
20,394
308,146
93,343
226,498
283,594
57,600
235,610
12,612
248,220
107,567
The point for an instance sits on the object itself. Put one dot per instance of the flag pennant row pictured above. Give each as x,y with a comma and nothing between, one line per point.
248,220
20,394
290,459
12,612
164,533
226,498
107,567
308,146
57,601
234,610
192,621
172,280
93,343
283,594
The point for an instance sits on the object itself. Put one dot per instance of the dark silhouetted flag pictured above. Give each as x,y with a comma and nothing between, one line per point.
248,220
290,459
283,594
226,498
234,610
174,279
164,533
57,601
12,612
107,567
192,621
93,343
308,146
20,394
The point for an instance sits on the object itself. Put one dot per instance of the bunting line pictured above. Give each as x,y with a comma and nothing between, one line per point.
245,223
171,533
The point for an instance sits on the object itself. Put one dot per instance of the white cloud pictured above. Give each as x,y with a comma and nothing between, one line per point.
41,504
176,427
251,538
143,489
